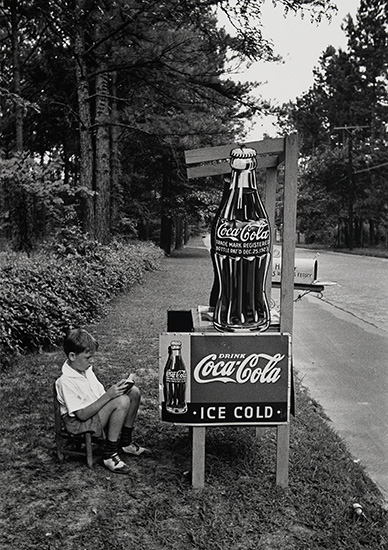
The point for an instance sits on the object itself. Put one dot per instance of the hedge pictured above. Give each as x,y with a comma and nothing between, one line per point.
65,286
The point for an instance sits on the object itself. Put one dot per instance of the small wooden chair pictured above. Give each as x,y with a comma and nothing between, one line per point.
68,444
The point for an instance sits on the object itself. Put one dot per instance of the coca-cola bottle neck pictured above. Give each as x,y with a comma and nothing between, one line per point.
176,348
243,179
243,170
243,196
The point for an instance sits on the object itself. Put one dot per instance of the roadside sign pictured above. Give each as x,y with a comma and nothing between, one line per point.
231,379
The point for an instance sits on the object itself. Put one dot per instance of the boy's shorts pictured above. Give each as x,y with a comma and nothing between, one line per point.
77,427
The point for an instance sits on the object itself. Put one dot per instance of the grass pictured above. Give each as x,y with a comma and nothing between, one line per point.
47,505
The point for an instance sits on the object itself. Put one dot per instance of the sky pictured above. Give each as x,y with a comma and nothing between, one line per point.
300,43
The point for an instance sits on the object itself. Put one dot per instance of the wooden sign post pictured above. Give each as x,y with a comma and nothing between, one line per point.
229,380
270,154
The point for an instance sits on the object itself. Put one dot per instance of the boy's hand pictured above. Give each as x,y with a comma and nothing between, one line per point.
129,382
121,387
118,389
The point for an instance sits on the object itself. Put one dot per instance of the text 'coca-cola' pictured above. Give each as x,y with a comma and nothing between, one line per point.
255,368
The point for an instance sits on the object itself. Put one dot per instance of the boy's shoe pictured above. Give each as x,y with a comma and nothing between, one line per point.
134,449
116,465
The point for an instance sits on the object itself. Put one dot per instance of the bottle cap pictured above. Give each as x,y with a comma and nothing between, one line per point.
243,153
243,158
176,345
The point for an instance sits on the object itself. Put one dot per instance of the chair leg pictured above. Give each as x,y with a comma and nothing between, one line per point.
89,450
60,455
59,447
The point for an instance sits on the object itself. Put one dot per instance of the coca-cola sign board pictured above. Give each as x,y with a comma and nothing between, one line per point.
225,379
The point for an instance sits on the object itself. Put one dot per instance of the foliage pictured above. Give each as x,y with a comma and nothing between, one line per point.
322,196
34,196
346,110
117,89
204,199
66,284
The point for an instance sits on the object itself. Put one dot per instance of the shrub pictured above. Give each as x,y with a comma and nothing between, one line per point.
63,286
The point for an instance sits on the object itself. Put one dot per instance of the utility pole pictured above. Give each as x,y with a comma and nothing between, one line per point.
351,178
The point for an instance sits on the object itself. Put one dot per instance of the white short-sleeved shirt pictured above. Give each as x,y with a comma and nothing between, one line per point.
77,390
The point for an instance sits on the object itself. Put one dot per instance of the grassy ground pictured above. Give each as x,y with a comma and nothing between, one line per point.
47,505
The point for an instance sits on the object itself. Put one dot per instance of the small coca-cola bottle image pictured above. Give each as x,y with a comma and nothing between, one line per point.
174,381
241,251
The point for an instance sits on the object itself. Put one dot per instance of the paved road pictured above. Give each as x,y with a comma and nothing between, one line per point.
362,284
341,352
340,349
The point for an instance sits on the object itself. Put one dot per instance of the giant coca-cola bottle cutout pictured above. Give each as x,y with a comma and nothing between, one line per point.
241,243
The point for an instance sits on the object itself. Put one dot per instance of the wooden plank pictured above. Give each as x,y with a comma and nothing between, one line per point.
224,167
315,287
208,170
270,204
270,146
287,285
198,457
282,455
289,230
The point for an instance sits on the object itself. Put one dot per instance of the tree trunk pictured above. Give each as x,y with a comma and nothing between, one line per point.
115,160
357,231
186,232
102,201
371,232
166,234
166,221
346,234
16,76
178,232
338,237
86,144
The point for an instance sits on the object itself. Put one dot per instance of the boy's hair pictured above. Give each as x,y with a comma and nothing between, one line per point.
78,340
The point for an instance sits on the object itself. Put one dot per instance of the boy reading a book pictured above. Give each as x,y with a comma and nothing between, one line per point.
86,406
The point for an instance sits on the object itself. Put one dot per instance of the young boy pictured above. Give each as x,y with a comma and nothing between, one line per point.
86,406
